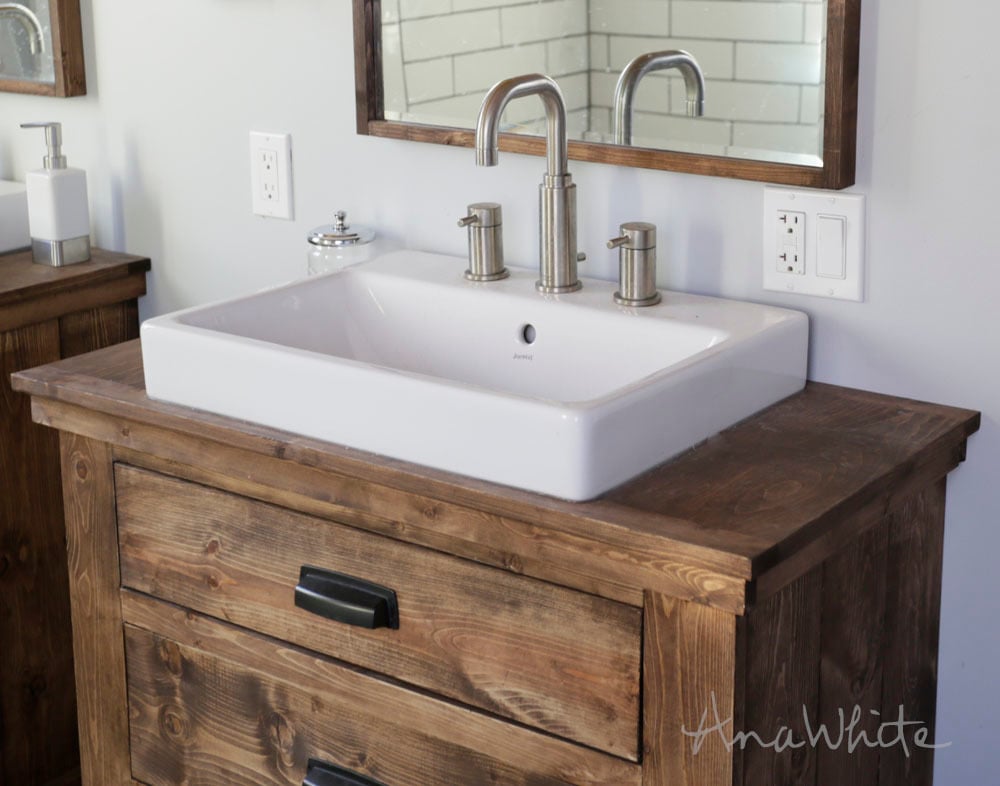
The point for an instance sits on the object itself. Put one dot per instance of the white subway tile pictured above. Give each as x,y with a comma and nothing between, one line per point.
786,138
415,9
630,17
750,21
598,52
429,79
747,101
449,35
481,70
567,56
815,24
714,57
543,21
662,131
796,63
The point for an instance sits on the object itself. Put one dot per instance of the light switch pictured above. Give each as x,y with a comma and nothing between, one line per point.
831,260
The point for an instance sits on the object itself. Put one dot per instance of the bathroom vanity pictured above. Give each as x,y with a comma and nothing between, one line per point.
788,568
45,314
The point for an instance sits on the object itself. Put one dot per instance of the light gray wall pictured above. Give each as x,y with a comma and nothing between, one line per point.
175,87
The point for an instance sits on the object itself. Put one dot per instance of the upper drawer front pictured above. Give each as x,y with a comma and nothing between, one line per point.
213,705
546,656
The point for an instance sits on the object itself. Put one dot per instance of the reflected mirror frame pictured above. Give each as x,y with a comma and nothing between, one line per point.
839,130
67,53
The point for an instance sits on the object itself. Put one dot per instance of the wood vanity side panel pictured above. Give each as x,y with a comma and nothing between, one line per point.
689,659
85,331
98,650
851,666
781,682
214,704
545,656
912,620
36,677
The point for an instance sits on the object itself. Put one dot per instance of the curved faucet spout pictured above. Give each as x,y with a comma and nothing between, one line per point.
501,94
628,83
29,21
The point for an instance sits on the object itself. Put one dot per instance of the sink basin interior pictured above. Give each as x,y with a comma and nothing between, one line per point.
482,336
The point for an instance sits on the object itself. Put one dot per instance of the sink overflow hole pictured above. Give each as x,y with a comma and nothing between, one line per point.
528,334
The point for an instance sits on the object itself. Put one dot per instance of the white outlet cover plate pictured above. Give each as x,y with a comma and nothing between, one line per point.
280,204
815,204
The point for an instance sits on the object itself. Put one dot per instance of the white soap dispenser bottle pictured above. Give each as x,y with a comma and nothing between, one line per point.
58,214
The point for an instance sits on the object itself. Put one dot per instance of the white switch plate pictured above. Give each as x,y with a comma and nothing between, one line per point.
271,174
812,205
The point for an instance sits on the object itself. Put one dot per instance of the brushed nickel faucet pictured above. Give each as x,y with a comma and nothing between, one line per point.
29,21
557,193
628,83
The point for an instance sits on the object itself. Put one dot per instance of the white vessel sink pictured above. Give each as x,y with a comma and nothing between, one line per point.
566,395
13,216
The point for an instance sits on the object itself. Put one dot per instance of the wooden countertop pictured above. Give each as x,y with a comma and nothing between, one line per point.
31,293
727,523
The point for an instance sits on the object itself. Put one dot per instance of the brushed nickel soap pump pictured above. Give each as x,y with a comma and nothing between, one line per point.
558,255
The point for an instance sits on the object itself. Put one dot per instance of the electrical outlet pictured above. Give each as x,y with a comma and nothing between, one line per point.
791,253
814,243
271,174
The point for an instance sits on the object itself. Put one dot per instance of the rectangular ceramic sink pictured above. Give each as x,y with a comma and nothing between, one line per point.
566,395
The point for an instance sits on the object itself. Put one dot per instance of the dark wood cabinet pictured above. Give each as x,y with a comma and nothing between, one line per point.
773,577
45,314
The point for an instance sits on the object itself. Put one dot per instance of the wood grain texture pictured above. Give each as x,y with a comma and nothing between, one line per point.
558,660
688,674
36,678
912,618
92,542
851,662
216,705
781,686
839,133
85,331
31,293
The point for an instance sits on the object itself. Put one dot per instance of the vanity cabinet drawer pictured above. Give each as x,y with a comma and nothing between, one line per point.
212,704
548,657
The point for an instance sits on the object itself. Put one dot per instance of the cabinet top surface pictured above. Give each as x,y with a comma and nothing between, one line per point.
761,494
22,280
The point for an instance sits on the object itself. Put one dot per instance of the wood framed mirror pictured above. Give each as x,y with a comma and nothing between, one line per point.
400,44
41,48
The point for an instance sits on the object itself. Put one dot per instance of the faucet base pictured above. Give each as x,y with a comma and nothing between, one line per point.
561,290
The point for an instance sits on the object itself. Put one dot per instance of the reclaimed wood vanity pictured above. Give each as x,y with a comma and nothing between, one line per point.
45,314
784,570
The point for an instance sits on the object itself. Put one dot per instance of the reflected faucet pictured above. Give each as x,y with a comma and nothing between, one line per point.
628,83
557,193
30,22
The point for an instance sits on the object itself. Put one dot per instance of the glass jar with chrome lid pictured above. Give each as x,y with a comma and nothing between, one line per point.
339,245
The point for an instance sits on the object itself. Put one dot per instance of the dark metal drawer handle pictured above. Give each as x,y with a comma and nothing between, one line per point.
346,599
322,774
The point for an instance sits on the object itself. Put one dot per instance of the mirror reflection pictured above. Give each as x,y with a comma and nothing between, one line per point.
762,64
26,42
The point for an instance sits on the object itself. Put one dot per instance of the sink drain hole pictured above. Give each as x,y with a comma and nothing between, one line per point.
528,334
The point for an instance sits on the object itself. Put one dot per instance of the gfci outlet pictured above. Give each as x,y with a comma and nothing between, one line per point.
814,243
271,174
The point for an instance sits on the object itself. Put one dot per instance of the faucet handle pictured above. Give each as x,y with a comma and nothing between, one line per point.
636,264
485,223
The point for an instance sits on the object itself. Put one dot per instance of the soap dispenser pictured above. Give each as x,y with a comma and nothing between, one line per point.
58,215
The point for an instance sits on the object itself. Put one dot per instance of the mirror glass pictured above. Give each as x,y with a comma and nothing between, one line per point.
26,41
763,64
41,47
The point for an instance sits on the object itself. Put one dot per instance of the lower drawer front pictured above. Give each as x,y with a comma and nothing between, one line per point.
555,659
210,704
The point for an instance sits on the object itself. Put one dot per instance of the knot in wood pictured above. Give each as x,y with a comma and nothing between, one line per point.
170,655
81,469
173,722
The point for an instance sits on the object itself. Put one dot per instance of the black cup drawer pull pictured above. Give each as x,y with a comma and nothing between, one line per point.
322,774
346,599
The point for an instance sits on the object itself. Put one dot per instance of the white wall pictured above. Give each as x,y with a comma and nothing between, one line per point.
175,87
